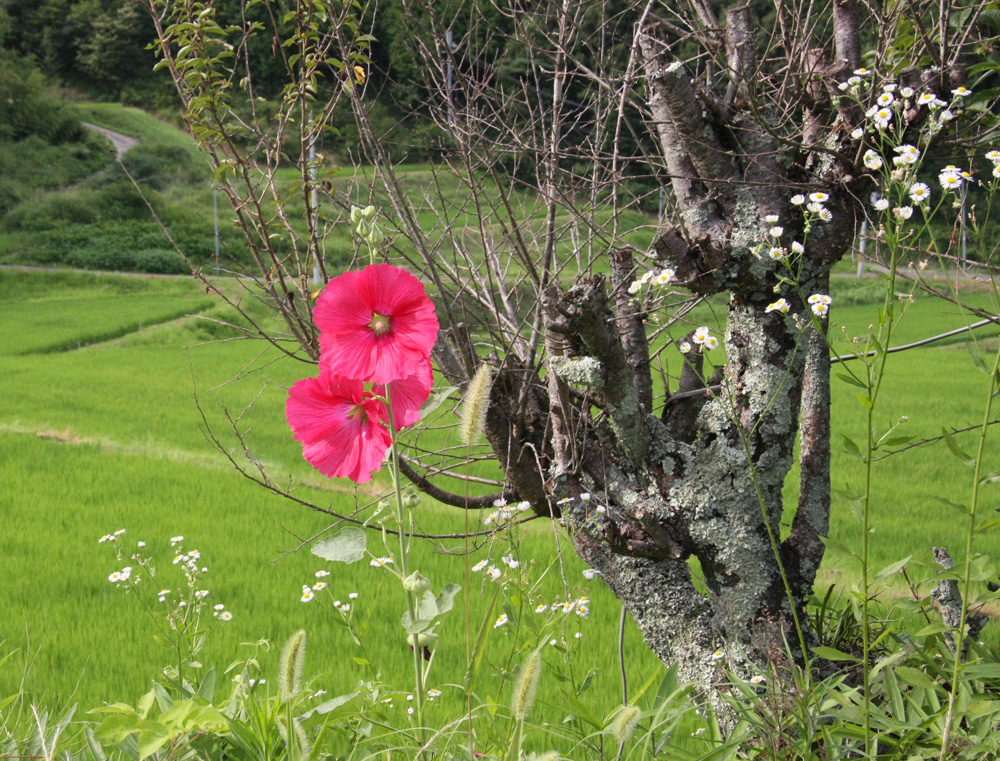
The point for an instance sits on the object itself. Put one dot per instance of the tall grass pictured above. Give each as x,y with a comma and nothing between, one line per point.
110,438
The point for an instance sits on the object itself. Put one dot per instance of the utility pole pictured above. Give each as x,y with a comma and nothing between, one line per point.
449,42
317,275
215,209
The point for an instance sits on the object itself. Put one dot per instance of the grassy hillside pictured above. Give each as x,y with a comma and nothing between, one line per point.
73,204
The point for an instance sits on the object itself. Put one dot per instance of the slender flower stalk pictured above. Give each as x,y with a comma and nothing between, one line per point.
967,570
411,602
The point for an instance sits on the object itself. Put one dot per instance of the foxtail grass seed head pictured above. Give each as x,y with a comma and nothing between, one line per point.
526,685
300,737
290,665
552,755
625,723
477,401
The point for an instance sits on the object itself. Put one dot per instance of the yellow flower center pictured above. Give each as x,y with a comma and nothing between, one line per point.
358,413
380,324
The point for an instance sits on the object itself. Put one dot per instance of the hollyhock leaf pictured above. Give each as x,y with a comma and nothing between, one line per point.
435,400
347,546
338,425
376,325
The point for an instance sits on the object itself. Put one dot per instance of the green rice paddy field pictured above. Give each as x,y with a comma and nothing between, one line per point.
99,431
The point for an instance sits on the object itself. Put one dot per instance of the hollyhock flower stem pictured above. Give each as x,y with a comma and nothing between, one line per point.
411,602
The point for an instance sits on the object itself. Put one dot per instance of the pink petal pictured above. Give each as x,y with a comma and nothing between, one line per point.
339,426
408,394
344,311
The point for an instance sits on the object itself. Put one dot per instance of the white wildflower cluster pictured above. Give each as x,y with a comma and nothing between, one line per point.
182,601
772,246
579,607
505,512
381,561
120,576
951,178
816,209
904,192
494,571
663,278
820,304
885,108
703,337
587,500
781,305
309,590
994,158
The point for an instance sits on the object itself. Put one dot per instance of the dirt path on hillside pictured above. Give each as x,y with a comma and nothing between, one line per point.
121,142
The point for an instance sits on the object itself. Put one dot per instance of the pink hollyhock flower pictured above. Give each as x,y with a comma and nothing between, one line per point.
408,394
339,426
375,325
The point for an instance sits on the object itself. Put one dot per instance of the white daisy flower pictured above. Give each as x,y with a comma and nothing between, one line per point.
919,192
781,305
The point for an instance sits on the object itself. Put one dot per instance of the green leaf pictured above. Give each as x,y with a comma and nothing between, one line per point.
977,357
847,378
895,696
935,628
833,654
206,689
360,661
446,599
988,525
330,705
916,678
836,546
346,547
580,711
95,747
956,450
982,671
476,661
427,611
150,742
852,448
145,703
435,400
958,506
585,684
892,569
896,441
865,401
990,478
669,685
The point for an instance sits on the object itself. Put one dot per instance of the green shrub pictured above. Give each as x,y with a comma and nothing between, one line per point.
159,261
29,109
53,210
160,166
